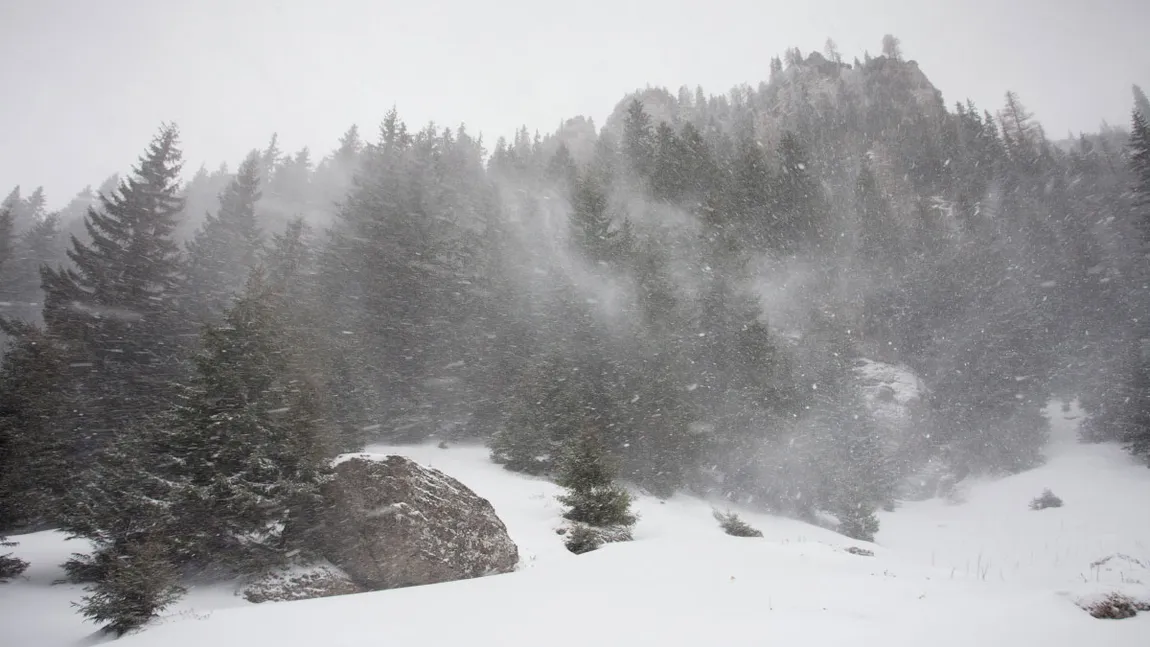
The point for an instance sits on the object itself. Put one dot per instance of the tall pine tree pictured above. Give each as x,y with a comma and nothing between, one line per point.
227,246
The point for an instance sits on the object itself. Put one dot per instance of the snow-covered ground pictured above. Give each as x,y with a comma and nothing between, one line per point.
988,571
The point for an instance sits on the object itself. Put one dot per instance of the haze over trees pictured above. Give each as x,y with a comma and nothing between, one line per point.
686,293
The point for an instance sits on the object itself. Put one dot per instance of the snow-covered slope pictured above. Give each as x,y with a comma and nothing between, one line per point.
683,582
993,535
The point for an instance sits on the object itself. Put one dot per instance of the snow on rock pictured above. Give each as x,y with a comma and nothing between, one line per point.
392,522
891,390
301,583
894,395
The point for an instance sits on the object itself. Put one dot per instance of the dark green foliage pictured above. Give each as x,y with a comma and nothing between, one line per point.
582,538
1140,166
593,497
115,310
524,443
858,521
734,526
6,236
562,168
10,566
227,245
639,140
594,230
1120,403
245,448
34,470
41,244
799,214
136,583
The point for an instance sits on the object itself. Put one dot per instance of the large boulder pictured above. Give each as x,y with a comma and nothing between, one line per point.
391,522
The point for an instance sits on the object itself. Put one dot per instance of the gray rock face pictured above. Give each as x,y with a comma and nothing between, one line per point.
391,522
300,583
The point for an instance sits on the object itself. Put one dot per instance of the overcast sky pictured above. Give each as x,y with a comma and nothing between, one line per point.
86,83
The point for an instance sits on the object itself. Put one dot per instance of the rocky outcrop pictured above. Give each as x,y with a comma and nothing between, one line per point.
390,522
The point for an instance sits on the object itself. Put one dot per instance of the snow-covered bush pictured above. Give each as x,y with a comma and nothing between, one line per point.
1046,500
734,526
582,538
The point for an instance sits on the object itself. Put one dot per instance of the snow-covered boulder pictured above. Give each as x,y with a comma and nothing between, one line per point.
391,522
892,392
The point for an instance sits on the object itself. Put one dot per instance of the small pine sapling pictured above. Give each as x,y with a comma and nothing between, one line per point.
734,526
593,497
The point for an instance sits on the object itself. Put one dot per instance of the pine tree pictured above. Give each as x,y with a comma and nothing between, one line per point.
880,241
798,207
137,583
245,447
350,146
739,220
891,48
116,311
39,246
270,160
34,470
862,477
227,245
593,497
639,140
562,169
1136,404
1140,166
670,166
593,229
1141,103
6,238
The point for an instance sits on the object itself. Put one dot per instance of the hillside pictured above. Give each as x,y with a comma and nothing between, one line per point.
984,571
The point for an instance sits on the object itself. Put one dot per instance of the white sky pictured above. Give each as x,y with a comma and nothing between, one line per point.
87,82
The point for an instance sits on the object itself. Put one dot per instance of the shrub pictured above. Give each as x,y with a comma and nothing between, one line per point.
136,583
607,505
1046,500
584,539
734,526
1115,606
11,567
